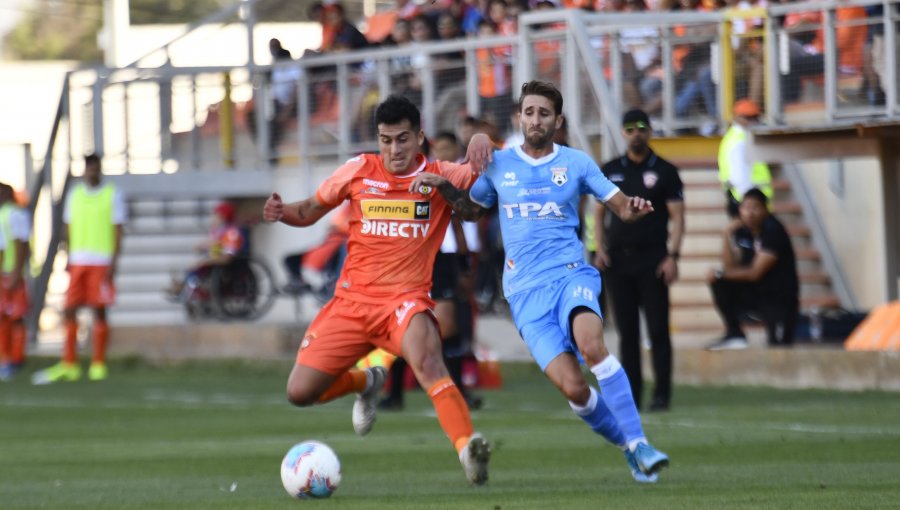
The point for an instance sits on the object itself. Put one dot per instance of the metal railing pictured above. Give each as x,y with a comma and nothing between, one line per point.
686,69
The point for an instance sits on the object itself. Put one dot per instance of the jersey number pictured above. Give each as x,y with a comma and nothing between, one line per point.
583,292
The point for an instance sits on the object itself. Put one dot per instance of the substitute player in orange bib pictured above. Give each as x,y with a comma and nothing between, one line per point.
382,296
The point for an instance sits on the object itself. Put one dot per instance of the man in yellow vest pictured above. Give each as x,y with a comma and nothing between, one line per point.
737,171
94,215
15,228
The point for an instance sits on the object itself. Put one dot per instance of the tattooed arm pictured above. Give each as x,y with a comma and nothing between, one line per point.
457,198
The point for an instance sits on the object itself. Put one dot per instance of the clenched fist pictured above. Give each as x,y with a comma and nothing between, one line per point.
274,209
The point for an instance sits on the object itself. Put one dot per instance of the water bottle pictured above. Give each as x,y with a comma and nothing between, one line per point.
815,325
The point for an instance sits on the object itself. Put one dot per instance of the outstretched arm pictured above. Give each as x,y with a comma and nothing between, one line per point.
296,214
457,198
629,209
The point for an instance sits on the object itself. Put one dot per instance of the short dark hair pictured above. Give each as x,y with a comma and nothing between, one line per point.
545,89
396,109
91,159
756,194
635,115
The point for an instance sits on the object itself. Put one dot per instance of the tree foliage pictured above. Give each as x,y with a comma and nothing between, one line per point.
67,29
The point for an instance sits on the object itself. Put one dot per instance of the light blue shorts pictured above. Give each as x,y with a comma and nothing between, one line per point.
542,314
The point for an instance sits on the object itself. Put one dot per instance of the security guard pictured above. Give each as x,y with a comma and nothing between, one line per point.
737,171
640,260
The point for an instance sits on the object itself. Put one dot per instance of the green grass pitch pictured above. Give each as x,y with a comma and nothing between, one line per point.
212,435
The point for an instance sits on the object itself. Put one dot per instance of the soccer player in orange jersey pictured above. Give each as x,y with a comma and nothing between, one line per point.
15,227
382,297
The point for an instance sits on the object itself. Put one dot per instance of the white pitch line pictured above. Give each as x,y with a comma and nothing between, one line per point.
804,428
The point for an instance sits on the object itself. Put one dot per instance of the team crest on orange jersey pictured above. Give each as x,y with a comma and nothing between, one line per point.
307,340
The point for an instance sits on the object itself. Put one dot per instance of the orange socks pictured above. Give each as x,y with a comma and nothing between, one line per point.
452,412
351,381
17,350
69,347
101,337
5,340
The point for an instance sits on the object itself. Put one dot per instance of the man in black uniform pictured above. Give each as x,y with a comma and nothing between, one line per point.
758,274
640,260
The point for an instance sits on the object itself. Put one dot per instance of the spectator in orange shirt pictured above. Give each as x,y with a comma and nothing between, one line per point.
381,24
806,48
494,75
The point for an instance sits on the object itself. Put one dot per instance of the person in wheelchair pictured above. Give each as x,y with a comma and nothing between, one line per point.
225,243
325,259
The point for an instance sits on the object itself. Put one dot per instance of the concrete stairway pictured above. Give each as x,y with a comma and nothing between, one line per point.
159,243
692,308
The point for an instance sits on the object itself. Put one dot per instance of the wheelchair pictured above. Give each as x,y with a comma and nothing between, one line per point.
242,290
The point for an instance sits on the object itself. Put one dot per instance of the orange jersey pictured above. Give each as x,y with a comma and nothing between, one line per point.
394,234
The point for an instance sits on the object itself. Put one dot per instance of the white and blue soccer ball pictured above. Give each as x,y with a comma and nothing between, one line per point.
310,469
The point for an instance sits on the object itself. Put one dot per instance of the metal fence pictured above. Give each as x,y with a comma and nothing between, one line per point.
823,62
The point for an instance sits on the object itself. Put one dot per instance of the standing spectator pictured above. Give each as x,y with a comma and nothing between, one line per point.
494,76
640,260
758,274
282,82
284,95
94,215
737,171
15,229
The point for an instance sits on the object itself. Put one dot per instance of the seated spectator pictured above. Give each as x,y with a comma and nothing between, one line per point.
225,241
641,64
337,29
380,25
694,67
748,52
324,260
806,48
758,276
474,15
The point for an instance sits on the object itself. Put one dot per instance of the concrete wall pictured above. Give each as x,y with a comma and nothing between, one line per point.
854,221
273,242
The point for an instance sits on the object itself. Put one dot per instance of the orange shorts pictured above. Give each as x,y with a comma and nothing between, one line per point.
13,302
88,287
345,331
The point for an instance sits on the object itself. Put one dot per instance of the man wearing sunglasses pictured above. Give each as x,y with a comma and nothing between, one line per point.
640,260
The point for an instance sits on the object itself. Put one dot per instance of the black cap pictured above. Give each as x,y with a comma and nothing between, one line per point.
636,115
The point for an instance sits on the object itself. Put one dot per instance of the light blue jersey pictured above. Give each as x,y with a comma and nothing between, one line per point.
538,208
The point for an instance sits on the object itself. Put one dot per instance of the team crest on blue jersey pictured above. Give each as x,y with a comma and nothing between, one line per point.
559,176
650,179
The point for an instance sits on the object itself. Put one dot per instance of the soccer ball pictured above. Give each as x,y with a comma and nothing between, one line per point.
310,470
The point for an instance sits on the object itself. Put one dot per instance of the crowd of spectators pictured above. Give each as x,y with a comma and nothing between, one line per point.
410,24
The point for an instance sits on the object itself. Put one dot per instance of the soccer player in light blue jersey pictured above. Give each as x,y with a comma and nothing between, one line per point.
553,294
